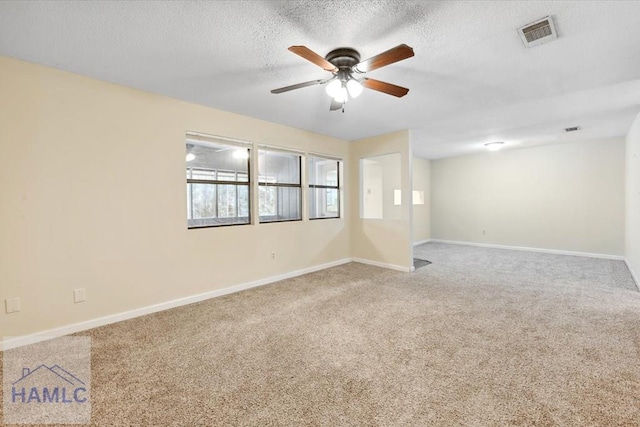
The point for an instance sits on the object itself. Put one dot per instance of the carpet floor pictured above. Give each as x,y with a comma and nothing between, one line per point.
480,337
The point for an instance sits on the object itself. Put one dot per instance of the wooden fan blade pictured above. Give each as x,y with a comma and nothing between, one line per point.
298,86
385,87
311,56
335,106
395,54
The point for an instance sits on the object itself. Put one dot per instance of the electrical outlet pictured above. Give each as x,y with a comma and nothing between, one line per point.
273,256
79,295
483,232
12,305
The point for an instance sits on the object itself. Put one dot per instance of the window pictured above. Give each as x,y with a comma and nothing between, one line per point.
279,186
324,187
217,184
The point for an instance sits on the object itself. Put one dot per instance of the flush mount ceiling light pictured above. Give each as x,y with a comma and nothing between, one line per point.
494,146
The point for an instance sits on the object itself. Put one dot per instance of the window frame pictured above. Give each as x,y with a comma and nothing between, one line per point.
212,142
336,187
281,185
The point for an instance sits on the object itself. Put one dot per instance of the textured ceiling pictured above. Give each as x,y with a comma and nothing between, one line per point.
472,80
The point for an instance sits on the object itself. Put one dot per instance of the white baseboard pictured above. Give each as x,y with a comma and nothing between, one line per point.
633,274
13,342
523,248
383,265
421,242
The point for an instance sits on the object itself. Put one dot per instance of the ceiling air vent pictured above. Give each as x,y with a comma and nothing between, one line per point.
538,32
572,129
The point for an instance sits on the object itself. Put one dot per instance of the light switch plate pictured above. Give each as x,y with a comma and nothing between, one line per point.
12,305
79,295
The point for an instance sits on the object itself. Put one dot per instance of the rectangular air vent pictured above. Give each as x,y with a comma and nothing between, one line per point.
571,129
538,32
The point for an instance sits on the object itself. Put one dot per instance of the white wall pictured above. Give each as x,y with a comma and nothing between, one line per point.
632,214
564,197
93,195
380,178
421,213
384,241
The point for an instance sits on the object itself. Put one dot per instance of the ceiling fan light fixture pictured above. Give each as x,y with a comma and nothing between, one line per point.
494,146
342,96
333,88
354,87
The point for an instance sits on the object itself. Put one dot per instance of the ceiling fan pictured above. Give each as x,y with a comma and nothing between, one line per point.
345,65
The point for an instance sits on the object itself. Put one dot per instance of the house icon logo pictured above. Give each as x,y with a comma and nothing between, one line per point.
48,385
48,382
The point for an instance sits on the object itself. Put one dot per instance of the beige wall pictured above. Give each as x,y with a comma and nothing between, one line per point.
632,241
92,195
565,197
386,241
421,213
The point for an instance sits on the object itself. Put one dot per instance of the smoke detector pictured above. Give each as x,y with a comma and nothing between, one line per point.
538,32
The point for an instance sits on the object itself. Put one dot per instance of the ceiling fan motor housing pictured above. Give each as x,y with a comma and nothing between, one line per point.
343,58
